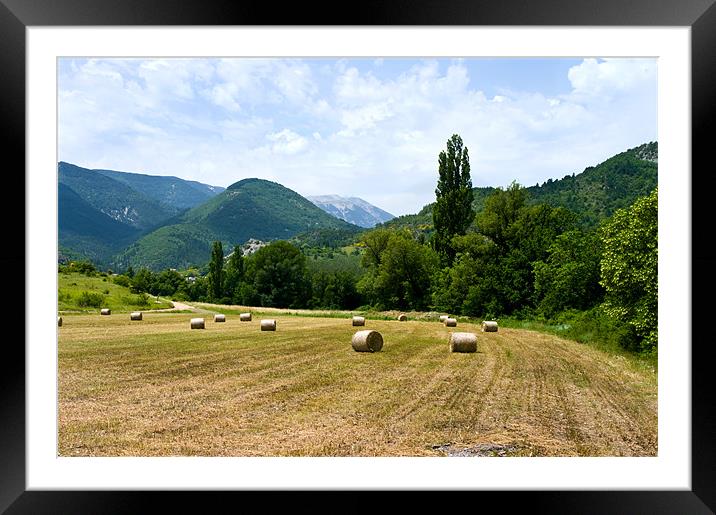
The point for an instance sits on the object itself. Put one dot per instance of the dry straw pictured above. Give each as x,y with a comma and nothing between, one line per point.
197,323
402,318
451,322
367,341
463,342
136,315
268,325
245,317
105,311
358,321
219,317
489,326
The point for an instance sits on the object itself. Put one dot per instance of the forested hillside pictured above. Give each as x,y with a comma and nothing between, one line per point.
592,195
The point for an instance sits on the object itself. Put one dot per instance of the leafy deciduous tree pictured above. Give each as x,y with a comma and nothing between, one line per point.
629,269
375,243
234,273
402,280
569,277
277,276
493,271
502,208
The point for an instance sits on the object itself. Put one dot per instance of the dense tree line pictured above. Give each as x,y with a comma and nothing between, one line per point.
276,276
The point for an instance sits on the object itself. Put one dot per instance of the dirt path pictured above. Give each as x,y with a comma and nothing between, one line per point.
180,306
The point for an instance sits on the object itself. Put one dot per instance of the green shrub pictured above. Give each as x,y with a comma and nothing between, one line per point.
181,296
596,326
87,300
122,280
83,267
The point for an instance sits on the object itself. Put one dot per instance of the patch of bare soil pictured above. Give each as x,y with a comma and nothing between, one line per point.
485,449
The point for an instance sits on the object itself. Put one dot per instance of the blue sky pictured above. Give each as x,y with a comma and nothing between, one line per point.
371,128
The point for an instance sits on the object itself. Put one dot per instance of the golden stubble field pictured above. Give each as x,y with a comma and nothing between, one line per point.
157,388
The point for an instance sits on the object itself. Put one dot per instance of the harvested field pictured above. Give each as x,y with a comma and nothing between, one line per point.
159,389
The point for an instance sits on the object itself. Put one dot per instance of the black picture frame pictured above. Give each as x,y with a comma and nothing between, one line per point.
699,15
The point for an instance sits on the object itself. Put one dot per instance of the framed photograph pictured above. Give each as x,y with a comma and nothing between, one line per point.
273,95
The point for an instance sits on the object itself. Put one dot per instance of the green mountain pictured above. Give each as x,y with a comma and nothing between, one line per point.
593,194
250,208
114,198
171,192
103,211
87,232
600,190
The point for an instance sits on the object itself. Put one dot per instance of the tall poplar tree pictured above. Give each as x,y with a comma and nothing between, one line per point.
216,271
453,211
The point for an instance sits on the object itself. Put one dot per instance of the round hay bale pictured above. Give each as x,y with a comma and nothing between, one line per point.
443,318
268,325
219,317
402,317
59,321
358,321
245,317
463,342
367,341
197,323
105,311
136,315
489,326
450,322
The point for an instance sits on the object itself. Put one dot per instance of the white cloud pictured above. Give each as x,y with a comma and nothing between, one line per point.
323,127
353,88
255,81
168,78
363,118
294,81
223,95
287,142
243,133
611,76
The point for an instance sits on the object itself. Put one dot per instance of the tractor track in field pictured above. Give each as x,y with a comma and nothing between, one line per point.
434,387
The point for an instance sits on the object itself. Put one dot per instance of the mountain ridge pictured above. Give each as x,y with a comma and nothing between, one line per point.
168,190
